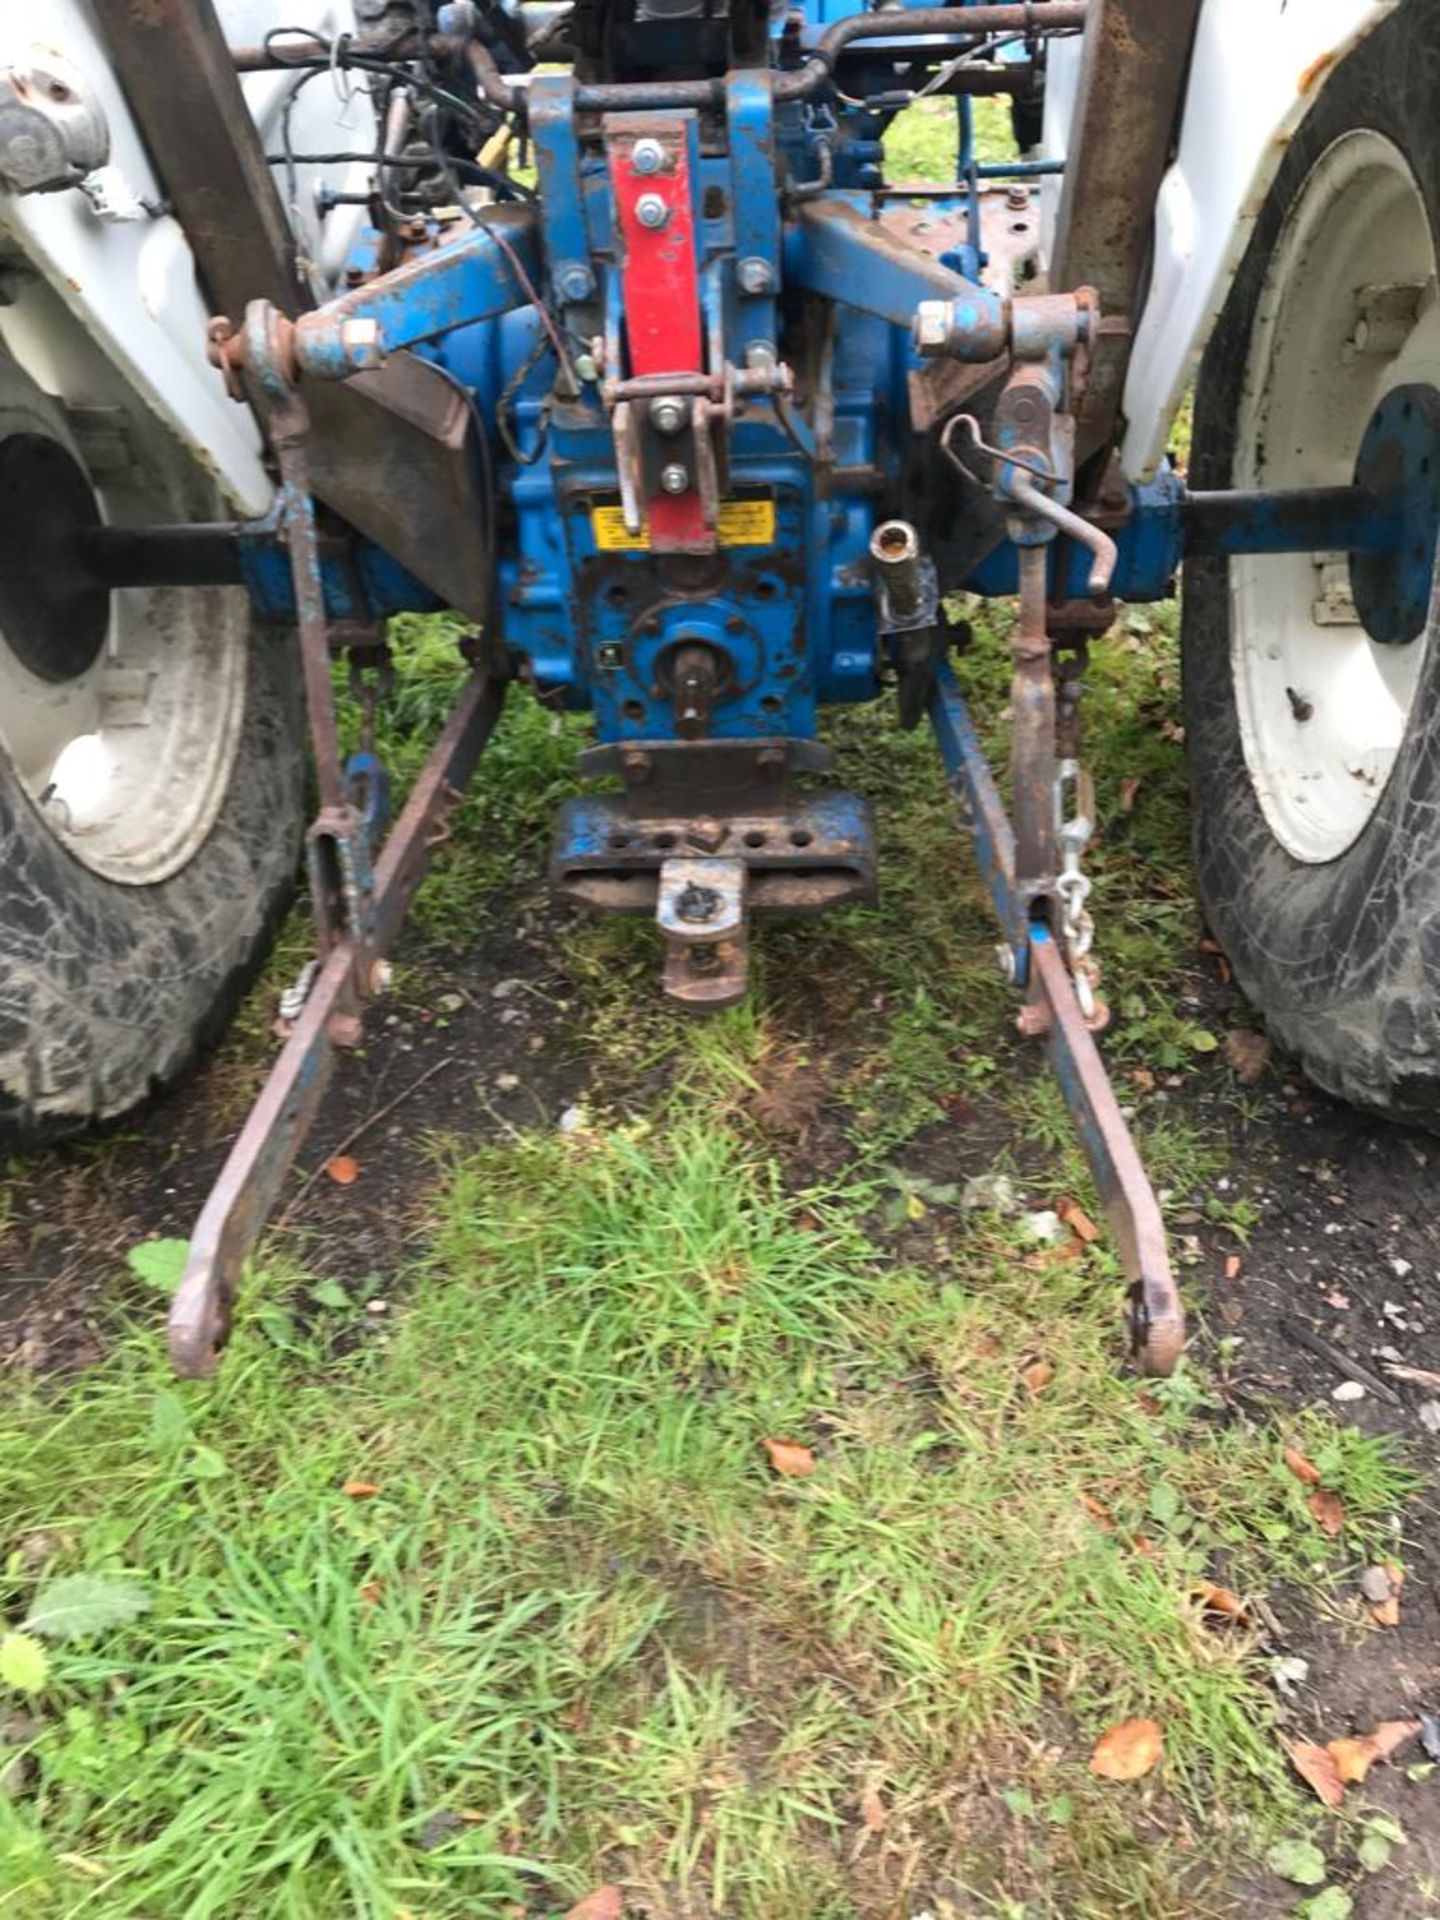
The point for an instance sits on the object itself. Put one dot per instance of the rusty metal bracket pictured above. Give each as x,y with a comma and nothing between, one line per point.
1157,1320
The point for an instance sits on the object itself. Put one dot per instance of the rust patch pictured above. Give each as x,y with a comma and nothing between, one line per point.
1316,71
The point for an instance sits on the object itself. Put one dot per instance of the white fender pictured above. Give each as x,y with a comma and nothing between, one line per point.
130,282
1258,66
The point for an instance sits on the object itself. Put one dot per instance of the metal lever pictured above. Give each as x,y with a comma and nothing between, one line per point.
1028,496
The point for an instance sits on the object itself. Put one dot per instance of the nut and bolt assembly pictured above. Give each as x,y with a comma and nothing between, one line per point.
755,275
669,413
675,478
575,282
651,211
647,157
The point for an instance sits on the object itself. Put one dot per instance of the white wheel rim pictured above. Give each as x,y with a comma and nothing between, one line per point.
129,762
1323,709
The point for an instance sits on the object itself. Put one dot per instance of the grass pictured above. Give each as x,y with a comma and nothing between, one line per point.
579,1630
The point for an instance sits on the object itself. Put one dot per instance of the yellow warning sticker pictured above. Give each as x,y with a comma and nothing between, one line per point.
741,523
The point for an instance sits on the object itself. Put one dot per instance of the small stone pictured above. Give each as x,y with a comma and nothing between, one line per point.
1348,1390
572,1120
507,1082
36,1548
1392,1354
450,1002
1376,1585
1338,1300
990,1192
1044,1226
442,1825
503,989
1288,1673
1429,1412
377,1307
17,1768
1400,1268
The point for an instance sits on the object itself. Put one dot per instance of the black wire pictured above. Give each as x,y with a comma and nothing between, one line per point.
499,183
337,54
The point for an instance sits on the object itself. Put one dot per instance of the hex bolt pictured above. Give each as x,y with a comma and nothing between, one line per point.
1017,199
651,211
932,325
675,478
696,905
647,157
669,413
755,275
575,282
360,344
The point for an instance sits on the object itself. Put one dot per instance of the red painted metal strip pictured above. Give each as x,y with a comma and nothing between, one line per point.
662,296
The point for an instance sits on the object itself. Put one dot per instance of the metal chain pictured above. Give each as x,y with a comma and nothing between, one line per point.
1074,824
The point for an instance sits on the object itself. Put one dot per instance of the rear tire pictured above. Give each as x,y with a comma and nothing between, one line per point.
1315,753
152,781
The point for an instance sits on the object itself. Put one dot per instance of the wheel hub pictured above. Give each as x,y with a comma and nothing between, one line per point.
1400,464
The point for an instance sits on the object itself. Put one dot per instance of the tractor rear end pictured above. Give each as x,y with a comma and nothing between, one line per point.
702,424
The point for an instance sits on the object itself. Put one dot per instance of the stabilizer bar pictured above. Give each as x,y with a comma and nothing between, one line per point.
250,1180
1157,1320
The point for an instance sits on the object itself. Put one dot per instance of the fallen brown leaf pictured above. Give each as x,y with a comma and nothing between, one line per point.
1232,1266
1143,1078
1316,1767
872,1810
1098,1512
360,1489
1037,1376
1078,1221
1127,1751
790,1458
343,1170
1059,1255
371,1591
1391,1735
1247,1055
606,1903
1354,1758
1128,790
1220,1600
1328,1510
1147,1402
1302,1468
1381,1586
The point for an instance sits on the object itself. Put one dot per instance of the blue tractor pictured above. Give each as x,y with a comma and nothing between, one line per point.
616,336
